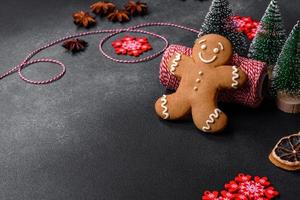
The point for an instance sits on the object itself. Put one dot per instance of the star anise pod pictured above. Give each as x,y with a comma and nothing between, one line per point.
103,8
75,45
136,8
119,15
82,18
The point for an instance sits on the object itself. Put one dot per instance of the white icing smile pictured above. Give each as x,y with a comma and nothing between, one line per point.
207,61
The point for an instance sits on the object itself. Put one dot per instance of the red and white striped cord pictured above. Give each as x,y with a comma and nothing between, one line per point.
112,32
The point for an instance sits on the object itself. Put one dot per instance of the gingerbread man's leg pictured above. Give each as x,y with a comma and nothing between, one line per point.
209,118
172,107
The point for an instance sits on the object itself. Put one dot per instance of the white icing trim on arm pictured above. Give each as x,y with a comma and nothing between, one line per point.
163,104
211,119
175,63
235,77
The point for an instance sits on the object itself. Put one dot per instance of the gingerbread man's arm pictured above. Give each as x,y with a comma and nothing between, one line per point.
178,62
231,77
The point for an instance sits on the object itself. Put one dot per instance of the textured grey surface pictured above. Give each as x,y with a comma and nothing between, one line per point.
94,134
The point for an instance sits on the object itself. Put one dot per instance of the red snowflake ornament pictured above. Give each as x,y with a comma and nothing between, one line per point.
251,189
244,187
226,195
246,25
132,46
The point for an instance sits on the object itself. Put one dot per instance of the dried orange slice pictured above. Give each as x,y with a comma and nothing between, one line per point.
286,153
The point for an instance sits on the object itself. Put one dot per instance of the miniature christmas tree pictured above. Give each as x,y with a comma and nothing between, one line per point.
286,74
219,21
287,70
270,36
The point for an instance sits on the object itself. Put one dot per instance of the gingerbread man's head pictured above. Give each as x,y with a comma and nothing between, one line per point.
212,50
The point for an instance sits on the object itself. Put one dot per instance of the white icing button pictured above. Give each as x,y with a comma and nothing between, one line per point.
200,73
198,80
216,50
203,46
195,88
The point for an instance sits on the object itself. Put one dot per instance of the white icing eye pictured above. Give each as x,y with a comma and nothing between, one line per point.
216,50
203,46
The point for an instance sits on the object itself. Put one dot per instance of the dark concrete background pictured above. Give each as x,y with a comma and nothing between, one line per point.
94,134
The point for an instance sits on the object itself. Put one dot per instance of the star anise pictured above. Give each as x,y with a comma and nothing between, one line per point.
103,8
136,8
119,15
75,45
82,18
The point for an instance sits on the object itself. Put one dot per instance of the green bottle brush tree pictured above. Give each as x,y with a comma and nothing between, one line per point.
219,21
286,74
270,36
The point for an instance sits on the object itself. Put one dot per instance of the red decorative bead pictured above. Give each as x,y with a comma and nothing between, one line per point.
232,186
251,35
146,47
253,30
142,40
240,197
247,19
271,193
227,194
260,198
210,195
255,23
264,180
119,50
248,25
128,38
136,53
242,178
117,43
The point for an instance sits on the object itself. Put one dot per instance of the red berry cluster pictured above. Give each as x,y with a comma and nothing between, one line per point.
243,187
132,46
246,25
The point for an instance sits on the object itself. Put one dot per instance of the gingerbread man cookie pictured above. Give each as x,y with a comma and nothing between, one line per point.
201,76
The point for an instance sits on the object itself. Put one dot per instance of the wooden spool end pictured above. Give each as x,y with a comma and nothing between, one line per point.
288,104
270,72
